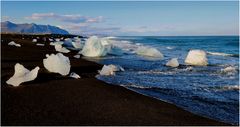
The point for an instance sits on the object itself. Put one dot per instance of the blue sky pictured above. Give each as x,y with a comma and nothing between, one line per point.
129,18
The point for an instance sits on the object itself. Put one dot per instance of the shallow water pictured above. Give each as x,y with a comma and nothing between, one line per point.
206,90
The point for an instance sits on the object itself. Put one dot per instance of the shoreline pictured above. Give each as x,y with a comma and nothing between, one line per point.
52,99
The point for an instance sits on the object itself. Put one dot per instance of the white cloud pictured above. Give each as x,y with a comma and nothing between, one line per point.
142,29
85,28
65,18
5,18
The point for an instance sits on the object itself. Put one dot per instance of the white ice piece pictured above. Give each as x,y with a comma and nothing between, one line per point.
173,62
74,75
149,51
50,39
77,44
57,63
110,69
77,56
94,47
56,43
107,70
22,74
229,70
60,48
57,39
197,58
34,40
39,44
14,44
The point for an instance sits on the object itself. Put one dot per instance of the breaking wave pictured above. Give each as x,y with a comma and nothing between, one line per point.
216,88
226,88
222,54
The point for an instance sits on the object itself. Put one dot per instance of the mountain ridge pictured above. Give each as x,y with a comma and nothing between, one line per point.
30,28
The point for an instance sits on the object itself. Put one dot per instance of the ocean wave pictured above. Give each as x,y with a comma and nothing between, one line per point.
233,87
169,47
156,72
222,54
124,45
226,88
111,37
139,86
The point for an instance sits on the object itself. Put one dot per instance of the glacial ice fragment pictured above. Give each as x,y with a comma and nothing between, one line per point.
57,63
22,74
39,44
60,48
74,75
34,40
12,43
77,56
197,58
173,62
94,47
110,69
149,52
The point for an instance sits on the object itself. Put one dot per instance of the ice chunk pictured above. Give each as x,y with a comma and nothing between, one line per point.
68,39
56,43
14,44
173,62
94,47
50,39
77,44
104,41
74,75
189,69
39,44
57,39
77,56
116,67
110,69
59,48
197,58
34,40
22,74
107,70
233,87
57,63
229,70
148,51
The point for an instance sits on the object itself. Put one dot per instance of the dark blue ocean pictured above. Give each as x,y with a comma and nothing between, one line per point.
203,90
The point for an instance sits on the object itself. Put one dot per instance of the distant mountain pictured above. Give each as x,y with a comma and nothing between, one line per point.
9,27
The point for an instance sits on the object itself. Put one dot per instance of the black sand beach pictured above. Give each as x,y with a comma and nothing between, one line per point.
52,99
